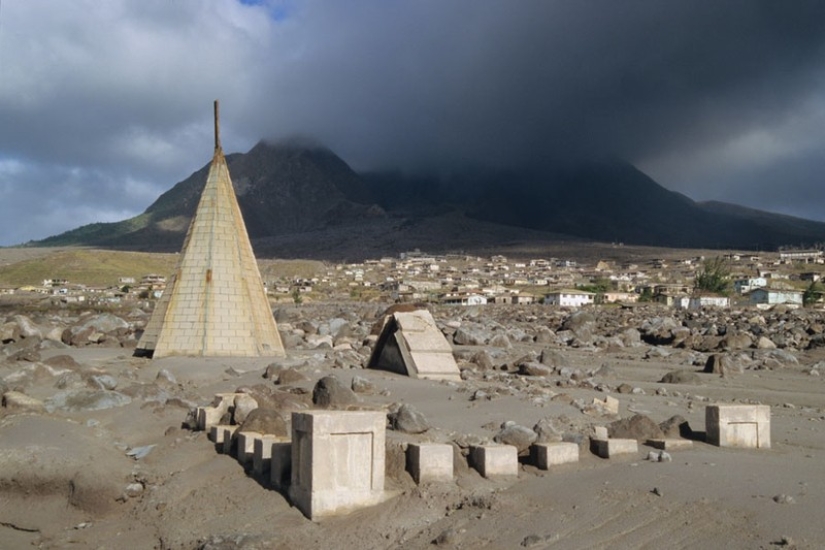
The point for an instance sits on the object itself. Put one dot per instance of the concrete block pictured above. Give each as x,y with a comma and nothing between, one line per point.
228,437
608,448
262,454
216,433
610,404
338,461
211,415
280,464
544,455
495,460
670,444
430,462
744,426
246,447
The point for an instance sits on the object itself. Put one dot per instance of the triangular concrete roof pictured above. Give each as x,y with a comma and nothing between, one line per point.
215,304
410,343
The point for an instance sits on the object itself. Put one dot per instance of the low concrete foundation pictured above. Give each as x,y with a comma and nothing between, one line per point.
430,462
211,415
495,460
280,464
246,447
228,438
262,455
544,455
670,444
609,448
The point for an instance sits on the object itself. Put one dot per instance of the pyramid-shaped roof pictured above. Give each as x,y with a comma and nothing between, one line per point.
215,304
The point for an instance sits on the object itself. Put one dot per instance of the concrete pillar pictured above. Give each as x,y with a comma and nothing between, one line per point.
745,426
280,464
430,462
609,448
337,461
544,455
246,447
495,460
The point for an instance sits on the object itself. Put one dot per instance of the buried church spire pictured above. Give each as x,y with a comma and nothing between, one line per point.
215,303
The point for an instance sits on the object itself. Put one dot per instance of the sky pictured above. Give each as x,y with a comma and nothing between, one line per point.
106,105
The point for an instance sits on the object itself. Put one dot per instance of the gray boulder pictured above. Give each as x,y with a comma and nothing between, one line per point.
521,437
639,427
409,420
265,421
86,400
681,377
330,392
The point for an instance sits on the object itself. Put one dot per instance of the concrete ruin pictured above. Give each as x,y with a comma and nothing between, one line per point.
210,416
430,462
744,426
492,461
215,303
410,343
545,455
338,460
609,448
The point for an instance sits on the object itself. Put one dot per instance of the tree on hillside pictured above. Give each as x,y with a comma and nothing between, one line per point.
812,294
713,277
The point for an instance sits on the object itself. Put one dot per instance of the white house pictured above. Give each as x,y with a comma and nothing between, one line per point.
464,299
708,300
570,298
743,286
766,297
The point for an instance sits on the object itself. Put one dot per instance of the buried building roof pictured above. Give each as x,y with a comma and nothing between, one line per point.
215,303
410,343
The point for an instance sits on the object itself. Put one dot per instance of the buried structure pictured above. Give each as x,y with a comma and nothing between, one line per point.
410,343
215,303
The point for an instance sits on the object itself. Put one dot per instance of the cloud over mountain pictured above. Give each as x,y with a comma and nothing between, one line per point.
103,107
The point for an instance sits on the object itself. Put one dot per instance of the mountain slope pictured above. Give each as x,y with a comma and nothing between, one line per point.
281,188
292,193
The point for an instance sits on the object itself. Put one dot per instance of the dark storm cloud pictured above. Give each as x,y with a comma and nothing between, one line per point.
715,99
448,81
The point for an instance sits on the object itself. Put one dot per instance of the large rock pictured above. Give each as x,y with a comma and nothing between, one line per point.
675,427
658,331
471,336
409,420
578,320
681,377
330,392
265,421
244,404
532,368
20,402
638,427
9,332
27,328
86,400
764,342
631,337
553,358
501,341
105,323
737,342
290,376
723,364
521,437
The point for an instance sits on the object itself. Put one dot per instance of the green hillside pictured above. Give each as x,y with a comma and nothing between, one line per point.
86,266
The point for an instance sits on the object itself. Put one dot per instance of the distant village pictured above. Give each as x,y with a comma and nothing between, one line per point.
786,277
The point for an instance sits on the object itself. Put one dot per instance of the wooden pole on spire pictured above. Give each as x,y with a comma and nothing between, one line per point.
217,128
